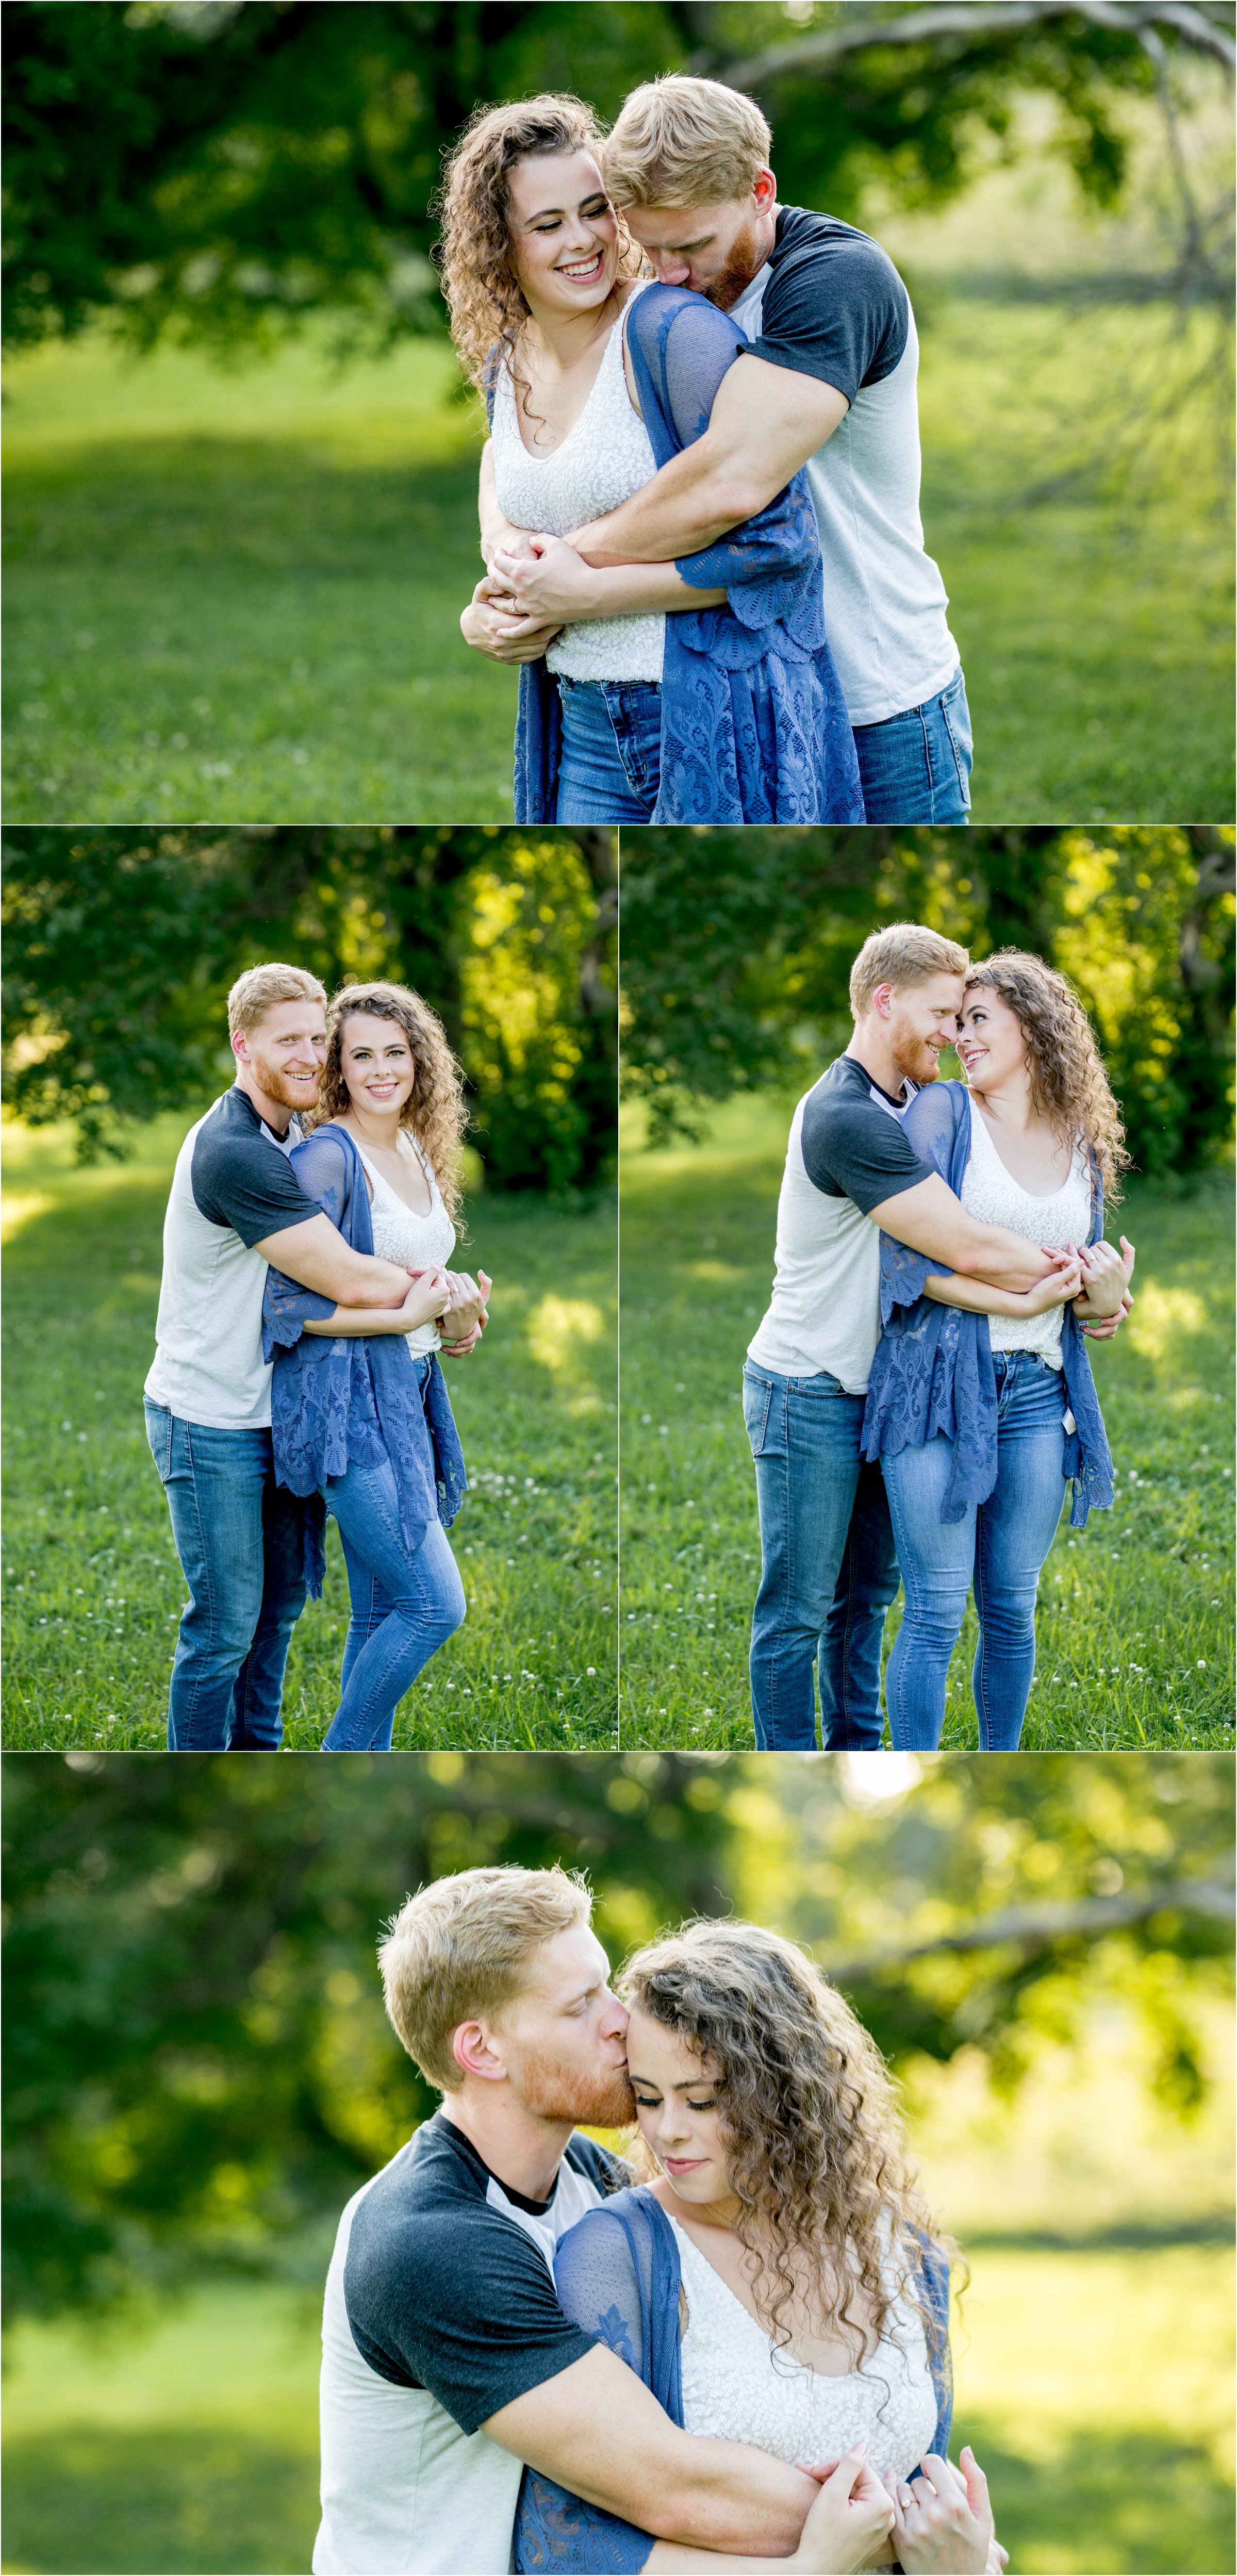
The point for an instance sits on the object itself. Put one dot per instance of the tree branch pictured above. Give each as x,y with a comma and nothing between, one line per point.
1037,1927
969,18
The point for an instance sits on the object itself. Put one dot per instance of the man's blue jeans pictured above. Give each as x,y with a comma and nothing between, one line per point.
238,1537
916,767
828,1568
1000,1546
611,760
405,1604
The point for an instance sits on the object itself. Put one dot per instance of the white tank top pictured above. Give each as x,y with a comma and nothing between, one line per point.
604,458
401,1235
992,1194
735,2389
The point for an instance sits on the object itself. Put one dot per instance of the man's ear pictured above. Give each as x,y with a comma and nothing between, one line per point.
882,1000
473,2049
239,1044
764,191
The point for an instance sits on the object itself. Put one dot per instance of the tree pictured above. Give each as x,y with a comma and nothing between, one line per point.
220,170
736,951
122,945
198,2066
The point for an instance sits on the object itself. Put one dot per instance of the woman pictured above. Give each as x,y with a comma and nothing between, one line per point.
777,2280
703,692
360,1417
981,1401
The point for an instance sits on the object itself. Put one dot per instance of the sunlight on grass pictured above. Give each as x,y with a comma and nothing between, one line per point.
90,1568
1134,1621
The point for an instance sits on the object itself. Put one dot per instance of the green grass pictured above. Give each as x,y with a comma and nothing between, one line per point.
1091,2383
1134,1627
234,598
93,1585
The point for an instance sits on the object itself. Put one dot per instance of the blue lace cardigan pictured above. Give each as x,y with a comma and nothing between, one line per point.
754,724
618,2276
933,1367
356,1399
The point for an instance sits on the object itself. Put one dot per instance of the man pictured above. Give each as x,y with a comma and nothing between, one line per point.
447,2361
830,383
235,1206
829,1570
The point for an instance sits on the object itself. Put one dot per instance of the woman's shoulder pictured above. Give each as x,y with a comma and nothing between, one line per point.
938,1105
657,304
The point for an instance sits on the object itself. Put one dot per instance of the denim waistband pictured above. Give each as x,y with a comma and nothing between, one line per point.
564,680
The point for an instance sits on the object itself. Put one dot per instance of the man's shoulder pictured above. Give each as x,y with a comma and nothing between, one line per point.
598,2164
803,236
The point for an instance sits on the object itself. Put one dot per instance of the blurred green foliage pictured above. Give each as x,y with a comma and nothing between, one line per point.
198,2065
222,172
121,946
737,949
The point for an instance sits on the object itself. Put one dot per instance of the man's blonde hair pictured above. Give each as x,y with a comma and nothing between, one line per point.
684,142
256,992
464,1947
903,955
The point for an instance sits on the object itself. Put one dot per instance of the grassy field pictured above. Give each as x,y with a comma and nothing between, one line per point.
534,1663
234,598
1134,1629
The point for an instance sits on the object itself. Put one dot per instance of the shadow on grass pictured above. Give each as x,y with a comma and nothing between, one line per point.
1136,2503
184,2504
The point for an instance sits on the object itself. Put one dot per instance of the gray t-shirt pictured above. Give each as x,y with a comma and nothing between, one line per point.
829,303
847,1153
233,1187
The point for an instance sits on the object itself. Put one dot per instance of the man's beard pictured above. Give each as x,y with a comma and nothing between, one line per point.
743,263
558,2089
916,1061
276,1085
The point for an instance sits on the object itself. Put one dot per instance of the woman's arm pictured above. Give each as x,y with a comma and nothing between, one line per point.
551,582
978,1298
428,1296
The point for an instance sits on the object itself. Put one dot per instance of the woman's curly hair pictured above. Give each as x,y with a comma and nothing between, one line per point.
816,2148
434,1111
1069,1086
486,301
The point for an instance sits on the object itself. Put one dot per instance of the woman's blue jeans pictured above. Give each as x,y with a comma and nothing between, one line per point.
405,1605
610,768
999,1545
916,767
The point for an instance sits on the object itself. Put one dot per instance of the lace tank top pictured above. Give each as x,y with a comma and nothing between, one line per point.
604,458
401,1235
992,1194
736,2390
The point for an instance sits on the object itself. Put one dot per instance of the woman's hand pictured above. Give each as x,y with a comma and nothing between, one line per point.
429,1295
1105,1300
494,630
1062,1284
942,2523
551,582
852,2515
464,1319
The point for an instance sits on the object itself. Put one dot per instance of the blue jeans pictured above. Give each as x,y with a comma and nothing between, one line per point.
828,1570
405,1605
610,769
999,1545
238,1537
916,767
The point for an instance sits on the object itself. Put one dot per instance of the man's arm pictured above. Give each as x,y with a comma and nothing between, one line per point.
931,1220
600,2432
316,1256
766,422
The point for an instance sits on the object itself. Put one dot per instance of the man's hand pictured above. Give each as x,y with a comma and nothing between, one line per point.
943,2520
848,2522
1101,1322
463,1321
493,630
550,582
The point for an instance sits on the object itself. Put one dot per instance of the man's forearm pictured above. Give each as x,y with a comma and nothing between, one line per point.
689,504
992,1255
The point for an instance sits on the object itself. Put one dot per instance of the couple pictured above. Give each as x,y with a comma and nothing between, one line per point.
711,574
532,2359
920,1387
304,1307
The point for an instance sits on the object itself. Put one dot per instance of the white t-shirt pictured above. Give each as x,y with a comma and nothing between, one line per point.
830,303
232,1187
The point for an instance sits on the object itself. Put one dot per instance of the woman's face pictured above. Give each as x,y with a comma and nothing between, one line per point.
564,236
377,1062
676,2106
990,1040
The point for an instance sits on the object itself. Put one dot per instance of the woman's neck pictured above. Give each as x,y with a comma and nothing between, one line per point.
560,340
1009,1103
374,1127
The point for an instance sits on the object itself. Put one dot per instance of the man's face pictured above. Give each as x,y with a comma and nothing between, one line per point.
564,2041
717,248
286,1052
921,1022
